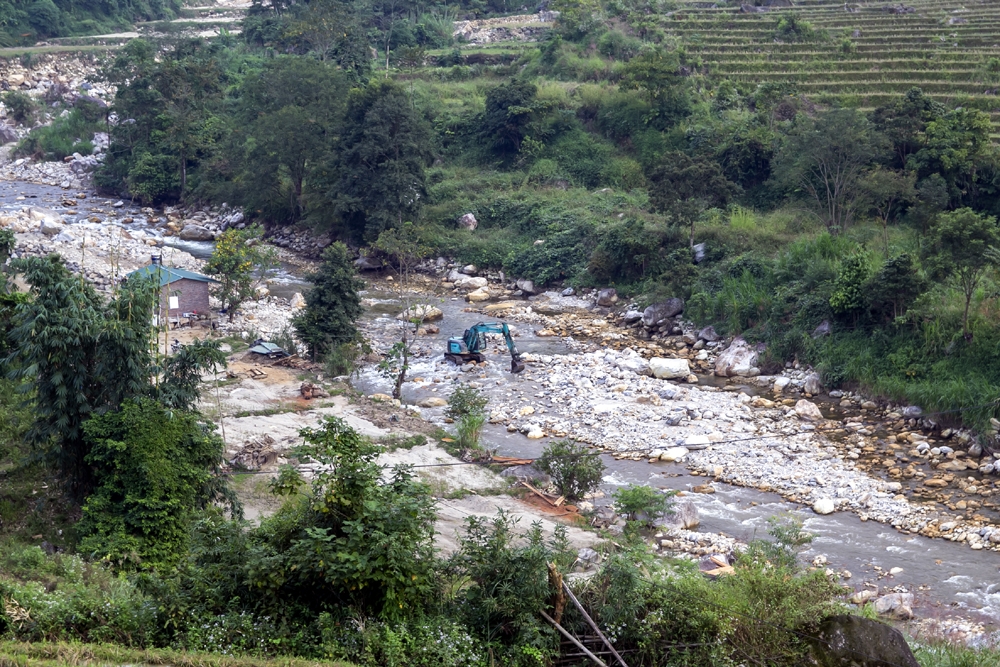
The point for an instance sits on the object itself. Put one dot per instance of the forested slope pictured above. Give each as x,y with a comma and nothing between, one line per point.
26,21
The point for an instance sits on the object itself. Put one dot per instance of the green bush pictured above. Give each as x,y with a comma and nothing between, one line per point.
469,430
466,400
62,597
575,470
432,642
22,107
505,583
641,504
68,134
616,44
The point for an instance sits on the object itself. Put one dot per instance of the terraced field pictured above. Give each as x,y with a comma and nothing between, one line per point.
859,55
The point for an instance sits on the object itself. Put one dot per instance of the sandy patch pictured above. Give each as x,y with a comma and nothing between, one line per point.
453,475
452,515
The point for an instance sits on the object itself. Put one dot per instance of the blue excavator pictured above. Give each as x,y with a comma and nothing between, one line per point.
470,346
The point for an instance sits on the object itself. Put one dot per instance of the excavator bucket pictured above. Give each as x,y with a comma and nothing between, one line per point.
516,366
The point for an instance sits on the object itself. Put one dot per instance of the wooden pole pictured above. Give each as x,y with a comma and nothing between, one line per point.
592,624
558,597
576,642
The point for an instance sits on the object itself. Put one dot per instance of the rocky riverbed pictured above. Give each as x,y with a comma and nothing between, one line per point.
641,387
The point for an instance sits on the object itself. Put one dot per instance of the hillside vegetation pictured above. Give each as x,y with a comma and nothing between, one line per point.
27,21
829,163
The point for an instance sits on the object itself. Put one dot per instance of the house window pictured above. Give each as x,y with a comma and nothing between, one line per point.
174,303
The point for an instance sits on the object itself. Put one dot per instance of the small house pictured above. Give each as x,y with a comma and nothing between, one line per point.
182,293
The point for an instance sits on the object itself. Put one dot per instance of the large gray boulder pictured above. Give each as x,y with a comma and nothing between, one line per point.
895,605
669,369
364,263
813,384
7,134
468,221
708,334
50,226
658,312
193,232
527,286
607,297
852,641
635,364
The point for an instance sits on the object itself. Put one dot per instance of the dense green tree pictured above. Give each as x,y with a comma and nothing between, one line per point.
850,295
168,124
78,357
746,156
888,191
961,246
385,148
956,146
332,304
894,287
683,186
153,470
509,108
288,118
657,74
357,543
824,160
903,120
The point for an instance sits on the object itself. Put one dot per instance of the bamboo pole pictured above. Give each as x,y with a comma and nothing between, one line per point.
592,624
597,661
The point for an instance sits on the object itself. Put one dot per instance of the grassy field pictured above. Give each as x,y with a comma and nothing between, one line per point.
17,654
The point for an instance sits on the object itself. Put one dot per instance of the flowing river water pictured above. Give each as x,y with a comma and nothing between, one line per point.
947,578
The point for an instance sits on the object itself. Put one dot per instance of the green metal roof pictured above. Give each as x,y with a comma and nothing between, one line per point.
169,274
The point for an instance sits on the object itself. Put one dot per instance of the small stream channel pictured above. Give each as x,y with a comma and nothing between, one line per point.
945,577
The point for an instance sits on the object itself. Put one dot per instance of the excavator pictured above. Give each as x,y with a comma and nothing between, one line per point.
470,346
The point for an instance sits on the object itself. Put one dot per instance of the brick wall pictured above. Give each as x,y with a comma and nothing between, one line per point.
192,297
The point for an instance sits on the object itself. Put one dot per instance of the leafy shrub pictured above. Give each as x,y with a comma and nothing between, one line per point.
466,400
66,135
641,504
62,597
506,583
791,28
618,45
428,643
575,470
22,107
153,471
582,156
566,246
318,553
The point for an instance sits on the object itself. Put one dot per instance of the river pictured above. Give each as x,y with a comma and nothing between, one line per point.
946,577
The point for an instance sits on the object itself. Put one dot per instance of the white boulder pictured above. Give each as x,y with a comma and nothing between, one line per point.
423,312
674,454
669,369
824,506
740,358
808,411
